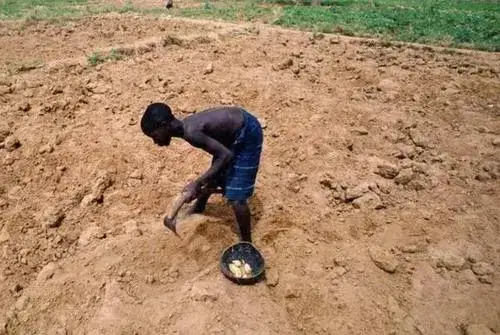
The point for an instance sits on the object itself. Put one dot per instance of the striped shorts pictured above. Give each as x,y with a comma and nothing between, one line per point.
240,175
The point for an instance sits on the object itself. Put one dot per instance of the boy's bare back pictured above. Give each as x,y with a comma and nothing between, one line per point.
219,123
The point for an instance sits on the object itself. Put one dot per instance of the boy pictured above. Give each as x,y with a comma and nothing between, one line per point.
232,136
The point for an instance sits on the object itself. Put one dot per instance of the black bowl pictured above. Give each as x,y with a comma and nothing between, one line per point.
247,252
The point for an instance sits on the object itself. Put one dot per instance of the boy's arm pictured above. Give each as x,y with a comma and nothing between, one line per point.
222,156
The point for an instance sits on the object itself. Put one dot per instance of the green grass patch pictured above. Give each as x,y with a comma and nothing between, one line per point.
443,22
98,58
228,11
15,9
37,10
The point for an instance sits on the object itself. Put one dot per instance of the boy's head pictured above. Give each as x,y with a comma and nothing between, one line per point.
157,123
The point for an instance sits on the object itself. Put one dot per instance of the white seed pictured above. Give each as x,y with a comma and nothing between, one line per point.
247,268
236,271
237,262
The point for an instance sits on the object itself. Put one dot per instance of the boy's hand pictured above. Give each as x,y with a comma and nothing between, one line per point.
193,190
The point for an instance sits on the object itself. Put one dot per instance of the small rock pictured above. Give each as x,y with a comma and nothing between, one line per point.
473,254
28,94
4,131
357,191
11,143
451,261
46,149
103,182
340,261
285,64
88,200
209,69
467,276
349,143
136,174
419,139
47,272
4,235
272,277
383,259
409,249
17,288
384,186
328,182
21,303
416,185
483,176
360,130
406,164
387,170
404,177
291,292
482,269
24,106
496,142
57,90
368,201
52,217
478,329
339,271
91,233
149,279
420,168
406,151
487,279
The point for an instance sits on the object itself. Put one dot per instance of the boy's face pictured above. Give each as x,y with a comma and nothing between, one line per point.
161,136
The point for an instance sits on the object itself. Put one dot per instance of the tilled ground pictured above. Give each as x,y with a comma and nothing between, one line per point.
377,202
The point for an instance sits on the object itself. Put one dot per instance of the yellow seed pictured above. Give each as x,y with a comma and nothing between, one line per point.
237,262
247,268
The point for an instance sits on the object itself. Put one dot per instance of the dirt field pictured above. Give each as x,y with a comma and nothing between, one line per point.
377,203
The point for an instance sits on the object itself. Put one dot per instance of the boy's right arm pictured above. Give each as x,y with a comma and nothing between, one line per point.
222,156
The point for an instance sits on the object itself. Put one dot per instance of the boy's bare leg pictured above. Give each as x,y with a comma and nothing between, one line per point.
242,214
201,203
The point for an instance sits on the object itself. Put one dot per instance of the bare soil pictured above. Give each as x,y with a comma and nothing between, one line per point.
377,203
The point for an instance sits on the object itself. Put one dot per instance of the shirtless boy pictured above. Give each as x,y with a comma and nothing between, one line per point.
232,136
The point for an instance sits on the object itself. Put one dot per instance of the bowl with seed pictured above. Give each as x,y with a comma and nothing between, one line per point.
242,263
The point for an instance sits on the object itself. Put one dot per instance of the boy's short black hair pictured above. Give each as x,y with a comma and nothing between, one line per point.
156,115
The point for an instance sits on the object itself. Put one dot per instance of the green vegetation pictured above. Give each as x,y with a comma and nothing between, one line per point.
444,22
450,23
97,57
10,9
35,10
238,10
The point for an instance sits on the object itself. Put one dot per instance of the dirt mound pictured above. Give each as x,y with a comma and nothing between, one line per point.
376,205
